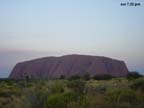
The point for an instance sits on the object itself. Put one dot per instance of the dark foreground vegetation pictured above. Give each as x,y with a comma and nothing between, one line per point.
73,93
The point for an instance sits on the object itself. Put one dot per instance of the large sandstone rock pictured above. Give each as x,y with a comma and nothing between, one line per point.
54,67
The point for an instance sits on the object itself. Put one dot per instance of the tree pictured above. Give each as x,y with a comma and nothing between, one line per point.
86,76
77,86
102,77
62,77
133,75
74,77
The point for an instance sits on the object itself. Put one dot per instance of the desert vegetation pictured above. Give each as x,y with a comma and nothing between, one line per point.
75,92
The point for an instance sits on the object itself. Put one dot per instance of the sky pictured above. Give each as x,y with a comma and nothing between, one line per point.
32,29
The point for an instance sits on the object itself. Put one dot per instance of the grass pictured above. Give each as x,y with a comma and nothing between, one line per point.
78,93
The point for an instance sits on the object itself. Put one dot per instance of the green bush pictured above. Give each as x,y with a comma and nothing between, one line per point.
60,100
35,97
55,101
56,87
138,84
77,86
11,102
66,100
73,94
119,96
7,91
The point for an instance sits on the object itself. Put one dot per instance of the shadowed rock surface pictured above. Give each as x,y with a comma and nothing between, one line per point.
68,65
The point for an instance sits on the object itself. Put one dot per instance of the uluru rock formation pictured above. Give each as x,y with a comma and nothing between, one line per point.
68,65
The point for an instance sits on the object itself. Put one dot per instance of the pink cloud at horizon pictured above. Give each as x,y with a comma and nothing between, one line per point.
1,66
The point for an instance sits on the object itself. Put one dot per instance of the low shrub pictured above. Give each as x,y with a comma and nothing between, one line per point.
34,97
56,88
119,96
55,101
138,84
66,100
77,86
60,100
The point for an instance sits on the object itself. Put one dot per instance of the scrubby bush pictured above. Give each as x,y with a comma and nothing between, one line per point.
56,87
66,100
76,85
35,97
73,94
55,101
60,100
9,90
11,102
120,96
138,84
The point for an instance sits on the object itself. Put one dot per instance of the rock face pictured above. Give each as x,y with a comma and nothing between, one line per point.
68,65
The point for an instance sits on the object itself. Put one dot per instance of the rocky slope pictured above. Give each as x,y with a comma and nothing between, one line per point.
68,65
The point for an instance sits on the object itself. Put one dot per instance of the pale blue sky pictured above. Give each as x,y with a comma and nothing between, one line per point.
37,28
